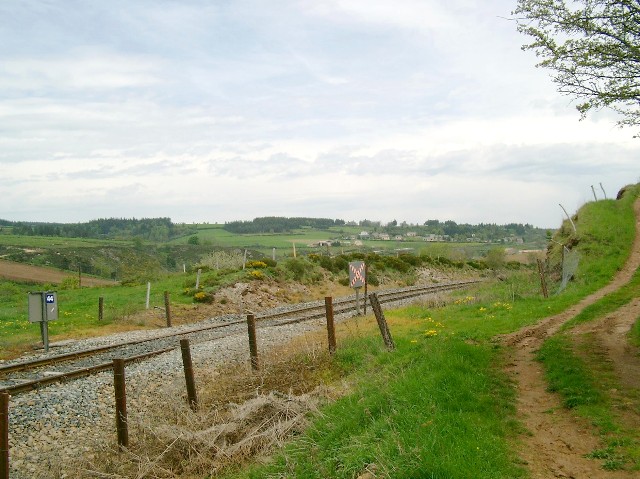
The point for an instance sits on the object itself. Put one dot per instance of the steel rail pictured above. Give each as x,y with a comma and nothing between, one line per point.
77,373
344,305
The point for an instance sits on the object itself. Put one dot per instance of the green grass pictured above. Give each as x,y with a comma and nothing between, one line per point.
634,334
573,364
608,304
585,381
78,309
439,406
57,242
436,407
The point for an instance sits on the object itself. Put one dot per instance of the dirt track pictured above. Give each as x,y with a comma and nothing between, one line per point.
558,440
24,272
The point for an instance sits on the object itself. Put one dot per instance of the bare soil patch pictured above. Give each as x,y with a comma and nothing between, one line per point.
37,274
558,440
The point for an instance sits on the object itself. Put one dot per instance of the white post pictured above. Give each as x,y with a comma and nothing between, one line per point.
184,268
273,254
244,259
148,292
294,249
198,279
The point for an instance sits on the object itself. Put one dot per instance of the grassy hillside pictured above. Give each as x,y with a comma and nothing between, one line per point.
440,406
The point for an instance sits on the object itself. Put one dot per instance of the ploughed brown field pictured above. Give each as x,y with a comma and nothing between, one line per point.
37,274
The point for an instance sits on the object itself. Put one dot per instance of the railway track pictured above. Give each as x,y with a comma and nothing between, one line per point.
24,376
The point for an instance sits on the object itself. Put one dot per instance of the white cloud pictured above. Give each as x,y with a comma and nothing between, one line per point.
198,111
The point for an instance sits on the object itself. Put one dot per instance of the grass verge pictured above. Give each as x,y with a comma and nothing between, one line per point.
577,369
435,407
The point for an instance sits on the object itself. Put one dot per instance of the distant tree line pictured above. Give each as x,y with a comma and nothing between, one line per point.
278,224
152,229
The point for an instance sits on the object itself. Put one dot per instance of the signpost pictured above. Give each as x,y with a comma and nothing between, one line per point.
43,307
357,279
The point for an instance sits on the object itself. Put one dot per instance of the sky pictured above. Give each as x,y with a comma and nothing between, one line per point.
217,110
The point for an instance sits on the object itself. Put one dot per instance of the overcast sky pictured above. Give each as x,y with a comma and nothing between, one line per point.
217,110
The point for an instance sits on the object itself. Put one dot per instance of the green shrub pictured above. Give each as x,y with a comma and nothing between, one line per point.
256,264
70,282
202,297
256,274
271,263
372,279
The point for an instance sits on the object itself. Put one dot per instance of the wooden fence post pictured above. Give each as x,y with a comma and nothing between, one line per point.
167,308
121,403
543,281
331,330
382,322
4,435
188,374
366,282
100,308
253,344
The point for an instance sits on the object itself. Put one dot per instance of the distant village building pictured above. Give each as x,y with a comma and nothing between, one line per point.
411,234
364,235
433,238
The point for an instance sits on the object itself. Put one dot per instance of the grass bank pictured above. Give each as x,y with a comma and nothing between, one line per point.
576,366
439,406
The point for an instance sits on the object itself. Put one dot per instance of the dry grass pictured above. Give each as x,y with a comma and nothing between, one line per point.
241,415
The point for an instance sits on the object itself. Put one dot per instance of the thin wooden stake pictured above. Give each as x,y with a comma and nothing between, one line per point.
331,329
188,374
100,308
382,322
603,192
253,343
366,282
121,403
167,308
4,435
543,281
569,218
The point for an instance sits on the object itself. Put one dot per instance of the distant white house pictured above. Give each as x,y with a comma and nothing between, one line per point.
364,235
411,234
433,238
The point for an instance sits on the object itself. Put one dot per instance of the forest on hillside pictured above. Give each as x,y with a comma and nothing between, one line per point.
151,229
